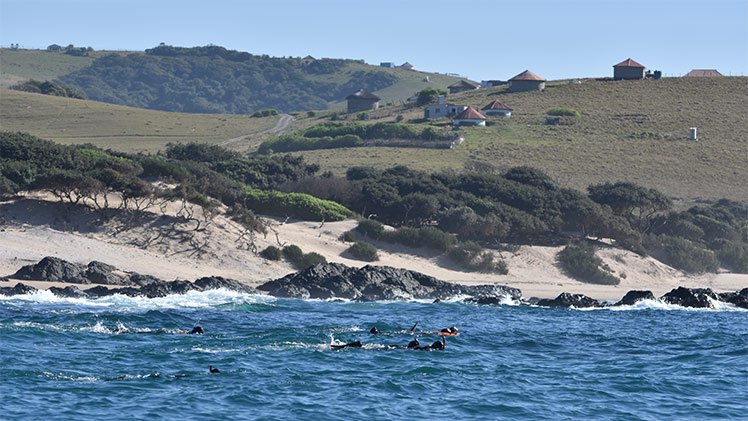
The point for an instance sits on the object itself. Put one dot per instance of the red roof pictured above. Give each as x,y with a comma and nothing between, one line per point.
528,75
704,72
496,105
470,114
628,63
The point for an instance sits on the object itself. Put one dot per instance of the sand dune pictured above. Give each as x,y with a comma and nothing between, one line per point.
167,246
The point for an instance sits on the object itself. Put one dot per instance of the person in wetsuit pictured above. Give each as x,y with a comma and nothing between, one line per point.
354,344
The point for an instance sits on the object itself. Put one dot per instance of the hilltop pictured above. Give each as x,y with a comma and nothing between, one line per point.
628,130
213,79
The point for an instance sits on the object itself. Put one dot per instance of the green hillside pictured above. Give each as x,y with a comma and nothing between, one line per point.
628,130
213,79
74,121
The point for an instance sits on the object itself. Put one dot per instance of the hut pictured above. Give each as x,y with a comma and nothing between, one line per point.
497,107
406,66
362,101
628,70
442,109
526,81
703,73
469,117
387,64
462,86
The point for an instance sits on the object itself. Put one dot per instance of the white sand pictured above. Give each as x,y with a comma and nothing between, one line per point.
33,228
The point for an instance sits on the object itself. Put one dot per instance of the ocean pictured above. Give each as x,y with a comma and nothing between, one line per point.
124,358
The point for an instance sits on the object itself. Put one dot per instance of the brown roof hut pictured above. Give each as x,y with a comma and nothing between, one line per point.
497,107
406,66
629,70
526,81
462,86
470,117
703,73
362,100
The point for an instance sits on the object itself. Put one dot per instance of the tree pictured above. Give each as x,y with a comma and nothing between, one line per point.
638,204
428,95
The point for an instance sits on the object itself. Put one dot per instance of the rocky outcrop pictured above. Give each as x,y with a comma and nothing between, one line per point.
369,283
691,297
633,297
566,299
738,298
54,269
19,289
71,291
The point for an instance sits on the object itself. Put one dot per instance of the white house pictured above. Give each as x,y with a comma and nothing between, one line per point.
469,117
442,109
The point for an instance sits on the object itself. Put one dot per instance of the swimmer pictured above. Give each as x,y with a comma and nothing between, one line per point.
213,370
374,331
197,330
439,346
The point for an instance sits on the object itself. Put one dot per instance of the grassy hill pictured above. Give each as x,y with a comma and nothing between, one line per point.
73,121
213,80
628,130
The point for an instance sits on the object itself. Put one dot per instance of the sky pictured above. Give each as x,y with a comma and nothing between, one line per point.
480,39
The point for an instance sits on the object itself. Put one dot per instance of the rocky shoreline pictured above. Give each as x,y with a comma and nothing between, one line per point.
330,281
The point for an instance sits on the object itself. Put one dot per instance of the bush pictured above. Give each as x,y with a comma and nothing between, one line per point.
580,262
310,114
687,256
564,112
294,205
363,251
429,237
348,237
271,253
301,260
471,256
370,228
265,113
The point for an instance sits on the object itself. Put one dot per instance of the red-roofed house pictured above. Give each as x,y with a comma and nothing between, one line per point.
362,101
703,73
628,69
470,117
497,107
526,81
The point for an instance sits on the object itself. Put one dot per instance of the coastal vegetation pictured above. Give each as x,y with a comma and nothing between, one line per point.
363,251
581,263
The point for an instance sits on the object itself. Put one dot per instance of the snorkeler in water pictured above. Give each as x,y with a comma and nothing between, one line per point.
354,344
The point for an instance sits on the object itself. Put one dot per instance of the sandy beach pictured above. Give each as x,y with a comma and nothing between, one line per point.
170,248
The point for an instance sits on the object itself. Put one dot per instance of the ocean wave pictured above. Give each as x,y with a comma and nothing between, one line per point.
190,300
661,305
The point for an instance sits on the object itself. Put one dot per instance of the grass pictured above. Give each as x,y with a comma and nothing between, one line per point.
72,121
18,65
599,146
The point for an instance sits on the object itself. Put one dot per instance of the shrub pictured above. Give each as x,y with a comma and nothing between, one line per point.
311,259
271,253
564,112
310,114
471,256
689,257
265,113
371,228
294,205
348,237
429,237
363,251
580,262
292,253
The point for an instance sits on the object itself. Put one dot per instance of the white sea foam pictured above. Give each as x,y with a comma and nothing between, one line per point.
661,305
192,300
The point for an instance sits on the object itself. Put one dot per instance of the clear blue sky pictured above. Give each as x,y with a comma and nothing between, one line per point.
479,39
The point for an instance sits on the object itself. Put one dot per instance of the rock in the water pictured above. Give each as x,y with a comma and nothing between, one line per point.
634,296
53,269
19,289
217,282
71,291
691,297
370,283
738,298
142,280
566,299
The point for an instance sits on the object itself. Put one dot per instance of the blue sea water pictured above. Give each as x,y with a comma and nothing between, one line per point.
122,358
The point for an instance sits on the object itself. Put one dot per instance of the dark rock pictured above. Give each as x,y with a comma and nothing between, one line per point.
371,283
691,297
566,299
53,269
71,291
102,273
532,301
634,296
100,291
163,288
738,298
19,289
142,280
217,282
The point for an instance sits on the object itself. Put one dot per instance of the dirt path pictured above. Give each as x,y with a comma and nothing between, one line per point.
281,126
